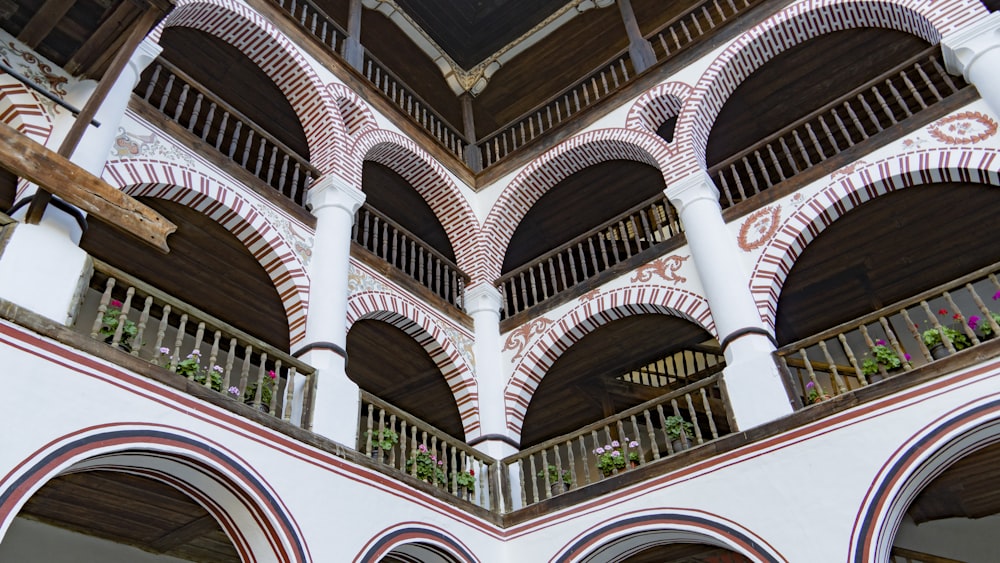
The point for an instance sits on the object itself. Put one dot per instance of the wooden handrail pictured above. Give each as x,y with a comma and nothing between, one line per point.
928,53
596,230
225,106
434,252
202,316
649,36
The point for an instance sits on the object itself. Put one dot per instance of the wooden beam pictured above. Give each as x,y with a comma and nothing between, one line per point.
44,21
56,174
180,536
119,23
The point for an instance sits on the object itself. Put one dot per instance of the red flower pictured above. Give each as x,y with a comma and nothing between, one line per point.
957,316
943,312
472,472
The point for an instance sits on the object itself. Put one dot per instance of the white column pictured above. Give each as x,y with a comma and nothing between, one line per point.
482,303
42,267
974,52
337,400
755,389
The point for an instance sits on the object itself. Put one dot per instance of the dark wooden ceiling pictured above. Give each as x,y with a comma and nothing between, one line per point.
685,553
388,363
579,203
886,250
230,74
578,390
967,489
388,192
207,267
81,36
132,510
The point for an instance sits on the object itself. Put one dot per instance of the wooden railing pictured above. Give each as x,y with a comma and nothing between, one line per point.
900,555
703,18
676,370
426,453
868,110
643,434
412,105
391,242
316,22
193,106
895,339
146,323
637,230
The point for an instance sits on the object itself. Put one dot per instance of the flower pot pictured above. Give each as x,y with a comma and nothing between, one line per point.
466,493
122,345
938,352
378,455
875,378
678,445
556,488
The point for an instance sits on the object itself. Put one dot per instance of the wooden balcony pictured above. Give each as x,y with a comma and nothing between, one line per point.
632,238
864,118
204,114
144,322
406,253
908,336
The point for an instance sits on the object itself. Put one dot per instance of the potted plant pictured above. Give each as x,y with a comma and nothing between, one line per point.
466,481
679,431
109,325
559,481
982,325
932,337
426,466
815,393
383,440
266,392
879,357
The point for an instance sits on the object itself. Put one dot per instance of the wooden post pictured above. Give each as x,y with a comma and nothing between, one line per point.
638,48
473,158
353,51
138,32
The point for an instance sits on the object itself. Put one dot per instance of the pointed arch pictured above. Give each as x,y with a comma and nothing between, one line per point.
240,26
408,316
789,27
539,343
954,435
239,498
546,171
428,178
861,184
603,542
355,115
279,253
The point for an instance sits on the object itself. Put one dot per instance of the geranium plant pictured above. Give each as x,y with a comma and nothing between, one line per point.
466,479
384,438
555,475
815,394
932,336
109,325
427,466
982,324
675,425
266,390
614,455
881,354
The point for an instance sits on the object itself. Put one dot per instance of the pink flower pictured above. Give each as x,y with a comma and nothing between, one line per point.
117,303
973,321
907,356
599,451
422,448
996,296
880,342
271,374
810,385
615,443
616,453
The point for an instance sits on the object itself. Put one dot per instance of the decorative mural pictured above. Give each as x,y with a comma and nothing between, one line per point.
358,280
758,228
300,240
665,268
519,338
463,343
963,128
133,145
37,70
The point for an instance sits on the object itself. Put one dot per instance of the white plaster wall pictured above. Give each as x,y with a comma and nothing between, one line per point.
29,541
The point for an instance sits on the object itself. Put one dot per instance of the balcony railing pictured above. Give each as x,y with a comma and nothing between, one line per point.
896,339
426,453
896,95
196,108
148,324
391,242
900,555
637,230
654,430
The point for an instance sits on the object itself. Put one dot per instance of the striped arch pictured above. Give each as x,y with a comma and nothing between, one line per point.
794,25
235,23
411,318
560,162
914,465
222,203
428,177
969,165
21,109
656,106
421,534
355,115
626,534
239,498
534,357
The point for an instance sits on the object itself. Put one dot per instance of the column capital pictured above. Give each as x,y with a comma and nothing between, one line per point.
692,188
333,191
483,297
961,48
